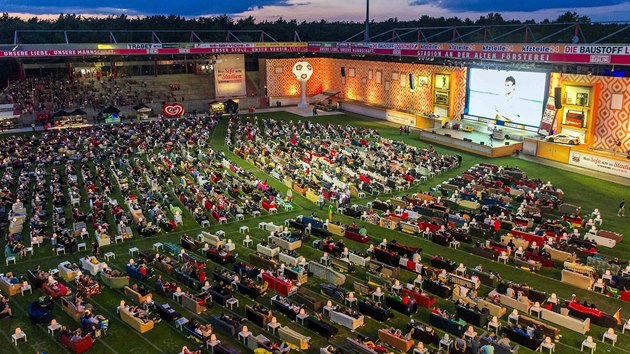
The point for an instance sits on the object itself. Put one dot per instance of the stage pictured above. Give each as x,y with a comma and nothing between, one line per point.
476,142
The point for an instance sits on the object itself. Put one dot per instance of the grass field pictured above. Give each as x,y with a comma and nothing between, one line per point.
165,338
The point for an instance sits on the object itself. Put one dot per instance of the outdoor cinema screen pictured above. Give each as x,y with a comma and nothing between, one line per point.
510,97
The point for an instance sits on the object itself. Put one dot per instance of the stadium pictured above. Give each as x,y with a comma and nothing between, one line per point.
452,189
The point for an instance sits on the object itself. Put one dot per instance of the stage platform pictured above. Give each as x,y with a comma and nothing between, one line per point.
476,142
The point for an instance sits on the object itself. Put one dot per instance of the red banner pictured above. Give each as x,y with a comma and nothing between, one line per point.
173,110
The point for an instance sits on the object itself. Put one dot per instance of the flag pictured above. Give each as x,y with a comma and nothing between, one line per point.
617,316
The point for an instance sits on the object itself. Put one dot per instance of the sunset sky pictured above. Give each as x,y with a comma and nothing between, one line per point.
349,10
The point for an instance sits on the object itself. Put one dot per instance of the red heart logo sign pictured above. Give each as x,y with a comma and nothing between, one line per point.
173,110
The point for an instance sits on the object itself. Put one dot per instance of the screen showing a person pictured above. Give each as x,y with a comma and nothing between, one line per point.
510,96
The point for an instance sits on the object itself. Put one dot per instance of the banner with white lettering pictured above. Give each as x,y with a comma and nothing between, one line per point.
229,76
599,163
549,115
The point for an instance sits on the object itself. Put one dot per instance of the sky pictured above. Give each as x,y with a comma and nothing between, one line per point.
348,10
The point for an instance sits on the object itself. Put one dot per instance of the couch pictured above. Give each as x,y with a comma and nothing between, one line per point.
559,255
92,265
394,341
336,229
39,314
293,337
68,307
397,304
574,324
164,267
230,328
377,313
115,282
358,347
66,273
134,273
522,306
135,323
326,273
55,289
269,251
222,348
362,261
472,316
421,334
321,327
220,295
76,347
446,324
187,280
494,309
283,287
286,244
345,320
261,319
576,279
423,300
547,329
191,304
310,301
211,239
440,290
498,348
135,296
525,341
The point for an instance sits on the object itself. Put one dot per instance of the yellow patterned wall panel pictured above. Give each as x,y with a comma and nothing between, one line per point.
365,88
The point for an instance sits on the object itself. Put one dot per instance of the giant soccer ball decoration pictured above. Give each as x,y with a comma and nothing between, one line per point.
303,71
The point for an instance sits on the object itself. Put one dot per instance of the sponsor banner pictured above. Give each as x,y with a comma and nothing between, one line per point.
173,110
400,118
549,115
143,45
600,164
229,76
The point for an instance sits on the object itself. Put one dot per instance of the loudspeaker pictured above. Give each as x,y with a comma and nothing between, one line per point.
557,97
482,143
468,140
507,143
446,134
343,71
412,84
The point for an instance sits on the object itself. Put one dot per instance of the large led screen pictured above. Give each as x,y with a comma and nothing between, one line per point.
513,98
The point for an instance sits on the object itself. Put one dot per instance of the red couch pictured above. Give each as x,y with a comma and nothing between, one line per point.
266,205
76,347
421,299
531,238
55,290
355,236
280,286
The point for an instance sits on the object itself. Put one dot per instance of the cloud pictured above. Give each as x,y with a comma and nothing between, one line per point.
188,8
514,6
331,10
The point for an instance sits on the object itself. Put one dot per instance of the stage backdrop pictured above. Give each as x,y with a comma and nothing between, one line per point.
382,84
610,124
229,76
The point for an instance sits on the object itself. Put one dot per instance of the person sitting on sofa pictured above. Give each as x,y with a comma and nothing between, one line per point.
5,309
11,279
504,340
370,344
165,260
140,289
91,322
144,315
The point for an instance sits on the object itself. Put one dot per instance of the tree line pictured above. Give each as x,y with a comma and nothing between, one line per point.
284,30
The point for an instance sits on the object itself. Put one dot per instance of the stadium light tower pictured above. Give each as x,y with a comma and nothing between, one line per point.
367,20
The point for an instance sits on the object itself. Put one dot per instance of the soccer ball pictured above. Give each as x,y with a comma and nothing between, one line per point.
302,70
